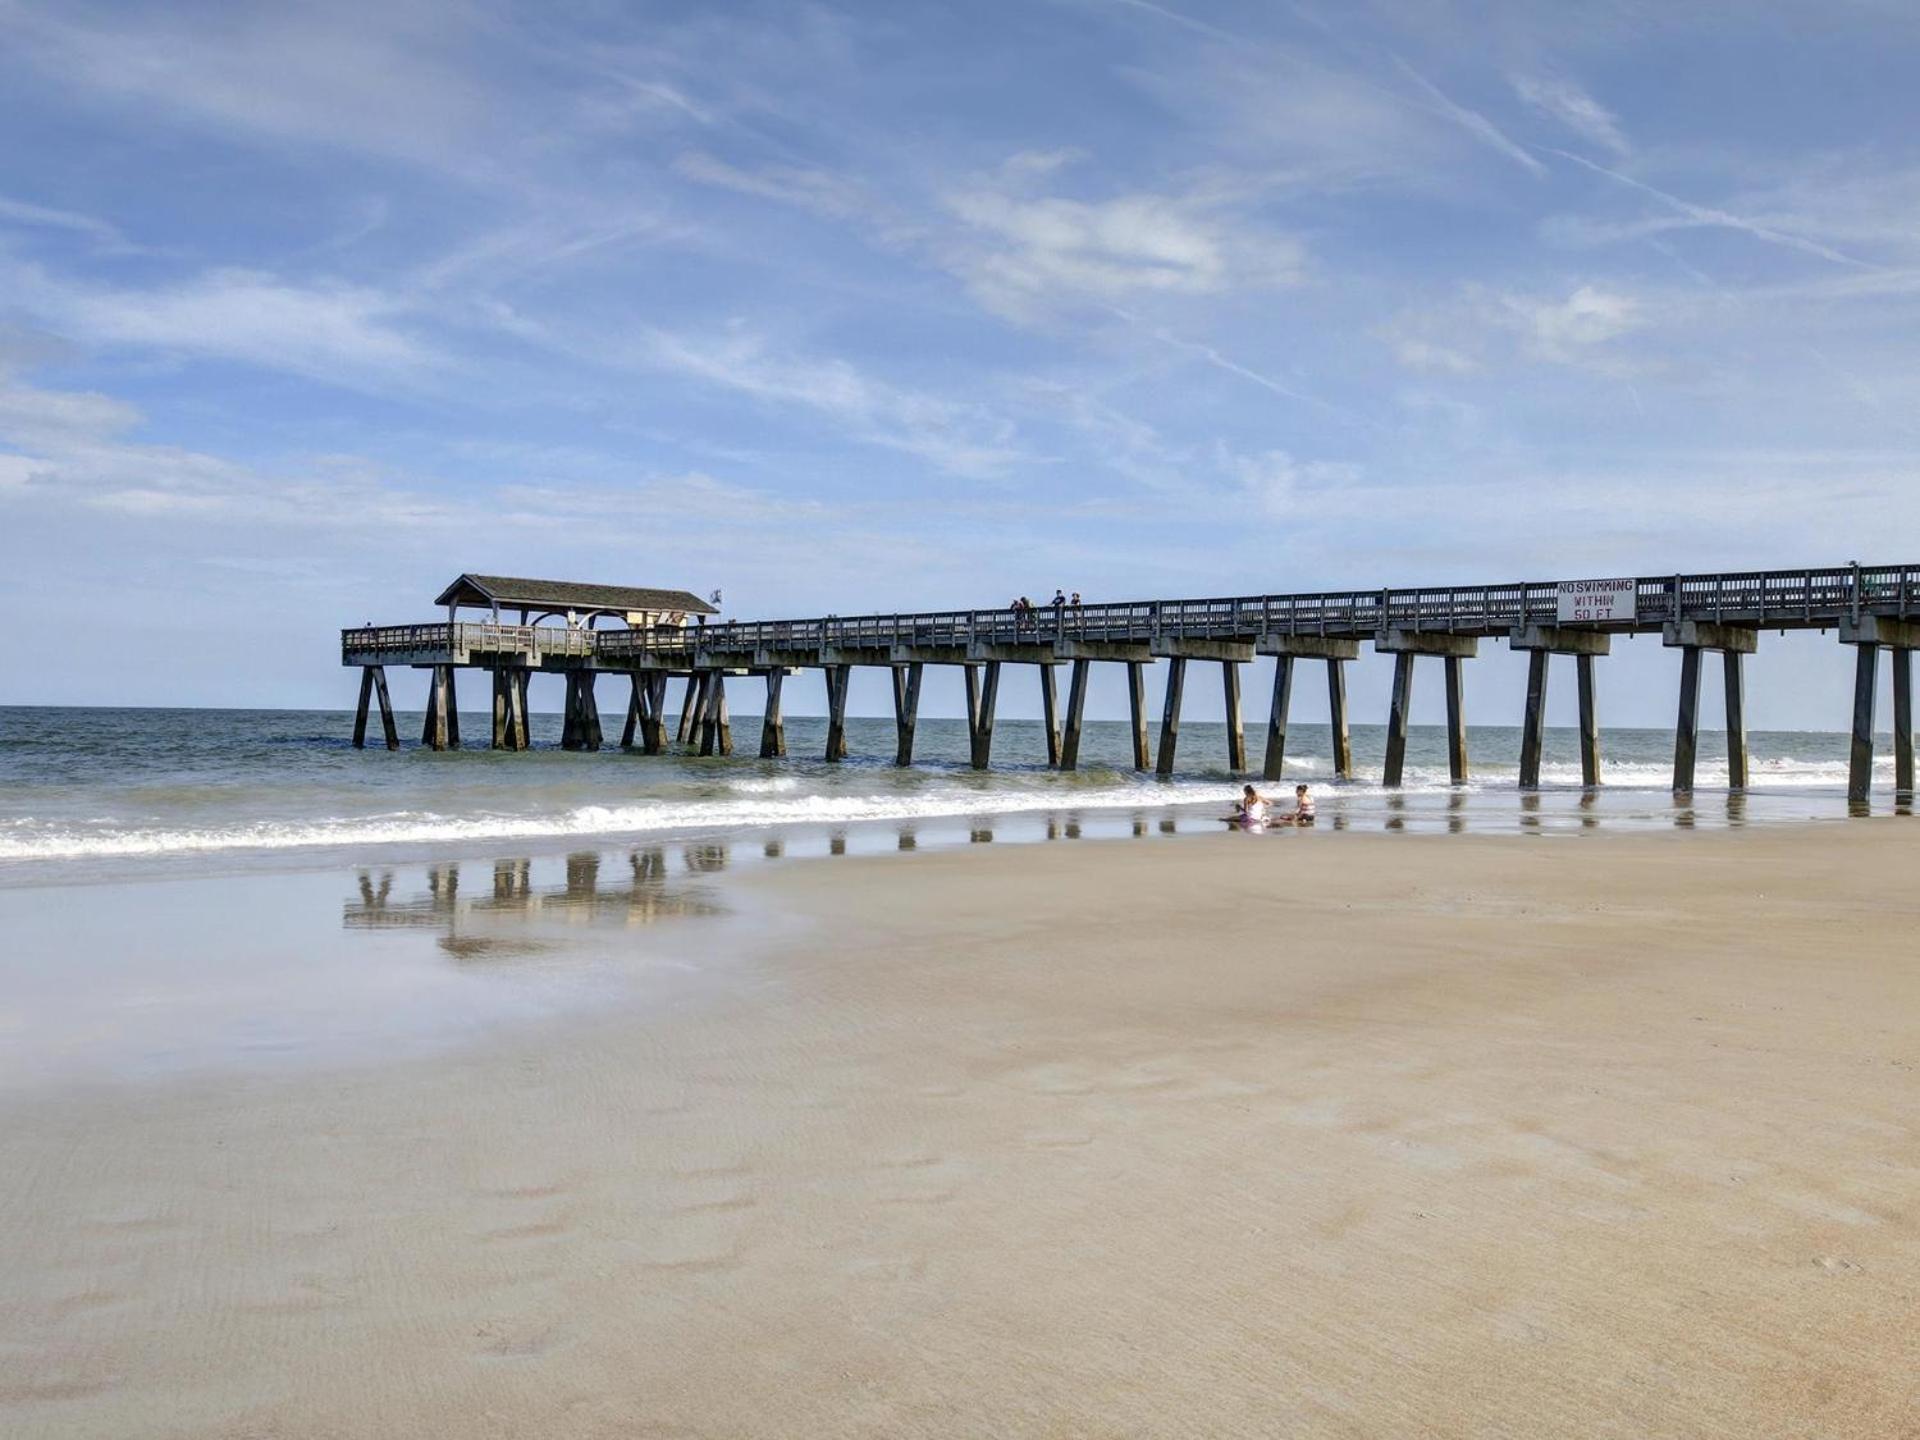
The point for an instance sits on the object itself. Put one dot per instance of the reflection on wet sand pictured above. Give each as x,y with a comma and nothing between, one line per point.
581,898
1456,811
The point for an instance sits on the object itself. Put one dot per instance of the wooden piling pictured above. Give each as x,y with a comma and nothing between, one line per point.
837,677
1276,756
453,709
1686,731
1137,709
981,701
653,729
1903,722
518,724
1236,731
1170,714
1866,676
636,709
502,708
1049,714
1076,715
439,730
906,709
590,734
773,724
1456,719
716,731
570,714
1736,692
1337,720
1533,725
1397,719
360,711
389,730
688,706
1589,723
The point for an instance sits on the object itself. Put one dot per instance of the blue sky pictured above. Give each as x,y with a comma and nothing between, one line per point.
304,309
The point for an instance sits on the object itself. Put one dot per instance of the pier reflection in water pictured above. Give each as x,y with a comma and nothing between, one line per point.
498,919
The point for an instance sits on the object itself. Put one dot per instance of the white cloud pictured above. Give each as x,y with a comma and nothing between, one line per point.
23,212
1473,122
1481,324
960,438
1573,107
1286,488
335,332
1025,255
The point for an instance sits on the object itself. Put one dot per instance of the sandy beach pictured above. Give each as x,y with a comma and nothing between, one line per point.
1306,1135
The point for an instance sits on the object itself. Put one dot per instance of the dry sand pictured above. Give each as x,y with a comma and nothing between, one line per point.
1299,1135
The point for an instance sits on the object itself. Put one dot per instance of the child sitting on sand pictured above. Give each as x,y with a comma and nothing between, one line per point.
1252,811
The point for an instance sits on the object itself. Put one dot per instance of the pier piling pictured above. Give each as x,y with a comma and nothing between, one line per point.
1049,714
983,694
1736,691
689,705
1903,723
1236,732
1076,715
773,722
1456,721
1137,711
906,708
440,728
1170,714
1533,725
373,684
1866,680
1686,731
837,677
1274,762
1589,723
1337,719
1397,718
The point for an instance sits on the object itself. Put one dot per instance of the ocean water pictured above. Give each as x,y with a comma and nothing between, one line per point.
86,791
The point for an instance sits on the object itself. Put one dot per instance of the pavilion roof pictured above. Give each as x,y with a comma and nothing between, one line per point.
556,595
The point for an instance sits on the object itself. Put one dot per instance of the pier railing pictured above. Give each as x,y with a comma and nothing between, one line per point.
1788,599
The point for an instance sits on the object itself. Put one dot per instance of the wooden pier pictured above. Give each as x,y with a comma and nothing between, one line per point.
1870,608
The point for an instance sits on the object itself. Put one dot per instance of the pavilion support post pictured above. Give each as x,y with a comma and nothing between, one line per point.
1533,724
635,712
1236,730
1866,678
906,709
716,726
436,729
654,726
1137,710
1686,731
517,715
1397,719
360,712
453,710
502,708
773,724
389,730
983,696
1903,722
1076,715
1050,714
1170,714
704,725
1276,756
590,734
1456,719
1589,723
1337,719
570,714
1736,690
837,677
688,706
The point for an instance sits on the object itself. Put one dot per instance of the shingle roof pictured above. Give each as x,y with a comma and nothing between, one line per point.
568,595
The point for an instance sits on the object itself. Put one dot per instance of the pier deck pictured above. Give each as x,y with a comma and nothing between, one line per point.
1870,607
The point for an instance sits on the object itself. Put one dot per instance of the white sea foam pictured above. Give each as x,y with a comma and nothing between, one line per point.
413,827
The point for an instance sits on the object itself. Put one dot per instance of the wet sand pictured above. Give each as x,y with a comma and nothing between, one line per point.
1309,1135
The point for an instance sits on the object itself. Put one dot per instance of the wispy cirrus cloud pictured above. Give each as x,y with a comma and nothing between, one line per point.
1563,100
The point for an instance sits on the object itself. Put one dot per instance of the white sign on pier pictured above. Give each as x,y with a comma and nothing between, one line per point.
1588,602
